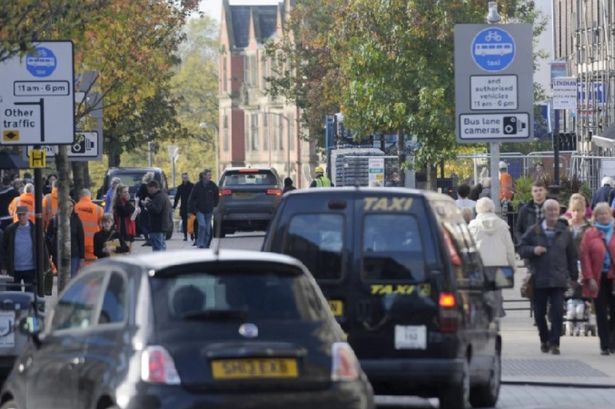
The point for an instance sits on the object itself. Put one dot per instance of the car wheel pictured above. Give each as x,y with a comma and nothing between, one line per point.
487,395
456,396
9,405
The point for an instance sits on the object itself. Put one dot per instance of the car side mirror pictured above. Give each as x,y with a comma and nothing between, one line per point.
32,327
500,277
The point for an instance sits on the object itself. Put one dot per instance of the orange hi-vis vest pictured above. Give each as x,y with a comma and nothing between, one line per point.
90,215
50,206
24,199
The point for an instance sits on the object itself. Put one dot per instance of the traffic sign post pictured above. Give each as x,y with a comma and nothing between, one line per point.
36,96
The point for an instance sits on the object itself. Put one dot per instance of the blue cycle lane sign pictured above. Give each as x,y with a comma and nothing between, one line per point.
42,62
493,49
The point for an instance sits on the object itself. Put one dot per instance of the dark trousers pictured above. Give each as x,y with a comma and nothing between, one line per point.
555,297
27,276
184,216
605,306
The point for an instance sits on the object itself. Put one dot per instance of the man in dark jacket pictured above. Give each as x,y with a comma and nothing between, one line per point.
532,212
604,193
550,249
158,208
202,201
19,250
182,196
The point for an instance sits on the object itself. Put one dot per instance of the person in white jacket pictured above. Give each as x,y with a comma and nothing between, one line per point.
493,240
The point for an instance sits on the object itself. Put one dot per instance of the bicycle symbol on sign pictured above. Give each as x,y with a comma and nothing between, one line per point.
493,36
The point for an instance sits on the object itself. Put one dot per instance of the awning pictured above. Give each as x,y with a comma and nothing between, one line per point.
11,160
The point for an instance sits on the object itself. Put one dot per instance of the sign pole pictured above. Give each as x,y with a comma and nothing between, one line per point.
556,178
38,226
495,176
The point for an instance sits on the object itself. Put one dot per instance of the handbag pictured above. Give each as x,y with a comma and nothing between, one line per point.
527,286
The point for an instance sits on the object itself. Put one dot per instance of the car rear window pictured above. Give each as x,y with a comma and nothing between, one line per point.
317,240
129,179
207,296
392,248
249,178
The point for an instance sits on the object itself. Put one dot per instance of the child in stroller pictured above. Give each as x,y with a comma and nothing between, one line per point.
578,315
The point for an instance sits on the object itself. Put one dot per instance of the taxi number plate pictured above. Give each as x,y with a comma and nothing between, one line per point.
410,337
254,368
337,308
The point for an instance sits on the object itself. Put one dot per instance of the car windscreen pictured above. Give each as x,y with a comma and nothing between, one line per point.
132,180
392,248
234,296
250,177
317,240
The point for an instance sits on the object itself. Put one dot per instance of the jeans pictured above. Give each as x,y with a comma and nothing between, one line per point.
27,277
158,241
204,234
554,296
603,303
75,263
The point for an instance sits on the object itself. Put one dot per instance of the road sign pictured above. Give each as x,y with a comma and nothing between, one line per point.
36,96
87,146
493,83
38,158
564,93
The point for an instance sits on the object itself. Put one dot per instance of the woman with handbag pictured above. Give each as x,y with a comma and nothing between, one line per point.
107,242
598,271
124,215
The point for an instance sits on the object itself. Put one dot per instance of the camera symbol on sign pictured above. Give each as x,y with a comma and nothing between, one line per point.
512,125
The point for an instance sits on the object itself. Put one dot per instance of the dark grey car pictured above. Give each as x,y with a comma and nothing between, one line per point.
248,199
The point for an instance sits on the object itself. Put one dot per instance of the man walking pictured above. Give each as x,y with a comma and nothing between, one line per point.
158,208
321,180
18,249
90,215
532,212
550,249
182,196
506,182
202,201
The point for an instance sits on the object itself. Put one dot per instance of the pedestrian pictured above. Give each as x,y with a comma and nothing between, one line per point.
539,173
143,218
288,185
124,215
486,184
27,178
90,215
158,208
532,212
107,241
604,193
7,194
477,189
462,202
506,182
49,184
468,214
50,205
321,180
24,199
598,274
493,240
77,240
202,201
109,195
182,196
549,247
19,250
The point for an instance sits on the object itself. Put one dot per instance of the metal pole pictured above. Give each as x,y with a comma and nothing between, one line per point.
38,230
556,150
494,147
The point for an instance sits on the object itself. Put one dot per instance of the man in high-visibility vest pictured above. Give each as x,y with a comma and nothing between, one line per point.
90,215
321,180
50,204
24,199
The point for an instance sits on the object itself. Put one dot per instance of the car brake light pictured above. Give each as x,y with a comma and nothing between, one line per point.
345,365
226,192
447,300
449,316
157,366
274,192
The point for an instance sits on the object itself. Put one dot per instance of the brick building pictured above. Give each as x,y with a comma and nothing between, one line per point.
256,129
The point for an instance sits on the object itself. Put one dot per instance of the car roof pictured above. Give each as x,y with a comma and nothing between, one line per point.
165,259
133,169
349,190
233,168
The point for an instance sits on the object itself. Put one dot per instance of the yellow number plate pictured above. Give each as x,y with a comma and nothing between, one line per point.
337,307
254,368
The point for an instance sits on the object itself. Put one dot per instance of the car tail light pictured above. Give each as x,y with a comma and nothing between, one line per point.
449,316
274,192
226,192
345,363
157,366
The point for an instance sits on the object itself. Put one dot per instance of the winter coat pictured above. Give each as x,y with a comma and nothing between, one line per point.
77,238
602,195
125,226
527,217
593,251
8,249
558,265
204,198
182,196
159,210
493,240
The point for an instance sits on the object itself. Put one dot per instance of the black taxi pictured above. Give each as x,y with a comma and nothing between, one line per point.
406,282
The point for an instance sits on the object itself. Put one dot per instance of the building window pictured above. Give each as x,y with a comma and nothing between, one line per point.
253,71
246,132
291,133
280,131
246,70
265,132
225,141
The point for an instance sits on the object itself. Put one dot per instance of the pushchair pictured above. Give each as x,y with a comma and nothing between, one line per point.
579,317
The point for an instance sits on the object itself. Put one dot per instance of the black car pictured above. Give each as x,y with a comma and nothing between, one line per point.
404,278
190,330
248,199
131,177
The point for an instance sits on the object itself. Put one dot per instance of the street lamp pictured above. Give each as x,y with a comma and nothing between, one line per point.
205,125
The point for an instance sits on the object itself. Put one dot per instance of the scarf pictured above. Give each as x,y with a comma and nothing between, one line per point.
607,234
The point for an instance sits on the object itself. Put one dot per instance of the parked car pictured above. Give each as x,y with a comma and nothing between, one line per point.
189,329
406,282
248,199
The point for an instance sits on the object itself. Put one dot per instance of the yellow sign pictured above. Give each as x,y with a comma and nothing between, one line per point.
257,368
38,158
337,308
10,135
423,290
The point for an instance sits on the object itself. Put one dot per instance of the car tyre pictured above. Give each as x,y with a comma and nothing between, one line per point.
9,405
457,396
486,395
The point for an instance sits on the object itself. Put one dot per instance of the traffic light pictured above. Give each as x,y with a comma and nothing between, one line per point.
567,141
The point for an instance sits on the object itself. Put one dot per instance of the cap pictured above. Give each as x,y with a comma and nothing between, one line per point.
502,165
22,209
319,169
